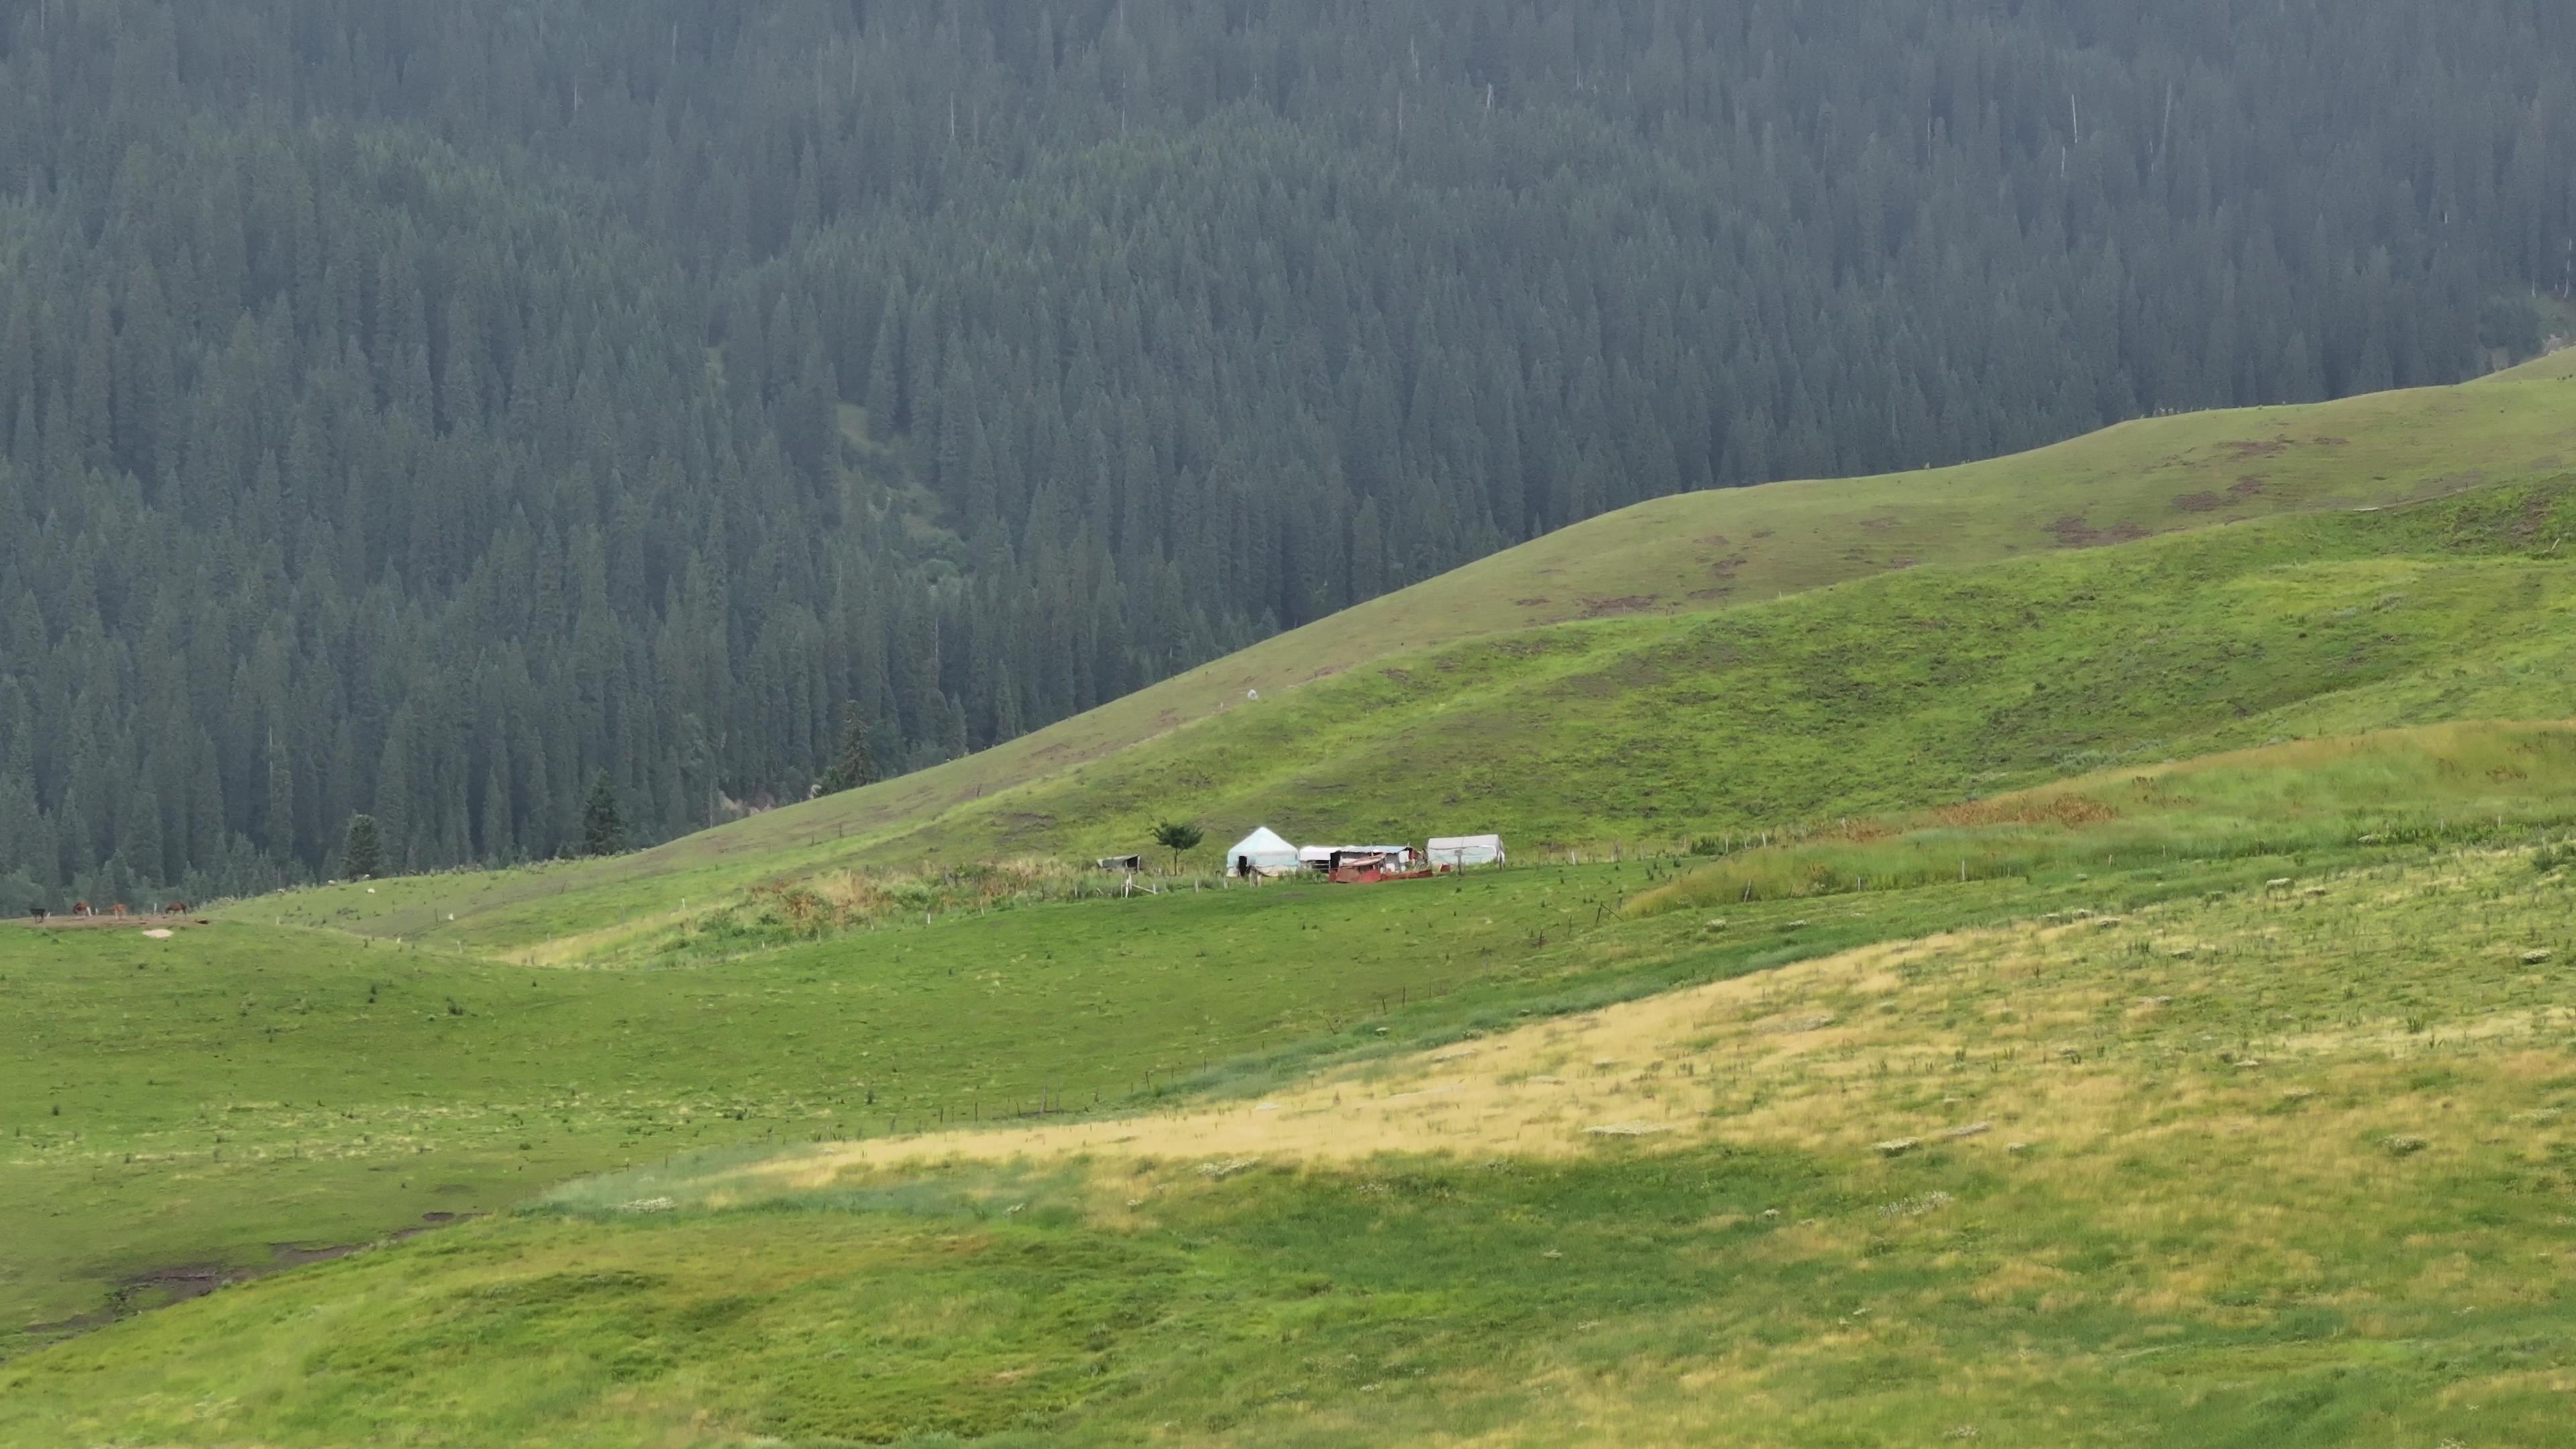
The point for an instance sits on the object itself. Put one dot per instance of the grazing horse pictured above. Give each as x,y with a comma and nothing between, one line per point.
38,912
175,908
81,908
117,910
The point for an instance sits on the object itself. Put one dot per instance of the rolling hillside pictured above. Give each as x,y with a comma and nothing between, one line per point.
2268,1150
1905,689
1637,579
2051,885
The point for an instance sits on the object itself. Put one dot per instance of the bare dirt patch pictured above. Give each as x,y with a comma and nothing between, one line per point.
2200,502
162,1287
171,1285
2535,515
2072,531
1599,608
292,1255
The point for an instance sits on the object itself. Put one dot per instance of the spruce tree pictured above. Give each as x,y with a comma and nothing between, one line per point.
362,857
603,825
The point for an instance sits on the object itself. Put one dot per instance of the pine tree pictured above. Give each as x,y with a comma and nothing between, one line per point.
603,825
362,857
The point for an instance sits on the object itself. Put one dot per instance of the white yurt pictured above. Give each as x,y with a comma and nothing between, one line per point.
1456,852
1262,852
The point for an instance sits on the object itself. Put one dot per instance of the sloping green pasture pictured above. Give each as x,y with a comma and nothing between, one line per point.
232,1099
2258,1169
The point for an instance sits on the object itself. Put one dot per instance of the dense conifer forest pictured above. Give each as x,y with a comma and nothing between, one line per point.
418,410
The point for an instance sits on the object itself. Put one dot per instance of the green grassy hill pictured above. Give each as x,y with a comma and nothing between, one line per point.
1673,558
2262,1147
1898,690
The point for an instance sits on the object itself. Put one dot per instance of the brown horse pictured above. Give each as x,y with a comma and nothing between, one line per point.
117,910
81,908
175,908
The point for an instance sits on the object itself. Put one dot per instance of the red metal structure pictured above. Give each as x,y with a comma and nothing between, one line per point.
1372,870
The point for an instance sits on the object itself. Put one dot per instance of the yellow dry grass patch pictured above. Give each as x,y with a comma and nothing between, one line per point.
1562,1087
1836,1055
1822,1055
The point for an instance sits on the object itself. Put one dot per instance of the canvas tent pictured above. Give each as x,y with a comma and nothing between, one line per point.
1262,853
1450,852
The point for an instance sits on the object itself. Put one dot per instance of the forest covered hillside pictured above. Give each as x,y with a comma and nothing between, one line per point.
419,412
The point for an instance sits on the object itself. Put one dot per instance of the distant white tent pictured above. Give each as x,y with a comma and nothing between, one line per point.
1465,850
1262,852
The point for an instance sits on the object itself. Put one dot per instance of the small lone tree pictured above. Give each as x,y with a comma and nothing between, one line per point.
363,856
603,826
854,766
1178,836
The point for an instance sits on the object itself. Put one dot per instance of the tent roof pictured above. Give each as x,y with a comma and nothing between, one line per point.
1264,841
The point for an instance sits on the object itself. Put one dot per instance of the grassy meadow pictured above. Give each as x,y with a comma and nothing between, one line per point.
2246,1166
1081,784
241,1097
237,1096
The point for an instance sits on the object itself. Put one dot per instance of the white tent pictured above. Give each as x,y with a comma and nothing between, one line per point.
1261,853
1466,850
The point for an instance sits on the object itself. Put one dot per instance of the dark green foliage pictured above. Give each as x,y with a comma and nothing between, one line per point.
362,856
855,765
1178,837
603,822
390,428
